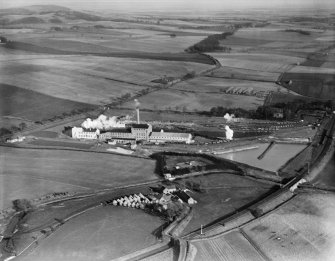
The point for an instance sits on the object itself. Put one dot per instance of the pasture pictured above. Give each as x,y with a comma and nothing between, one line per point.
176,100
31,105
30,173
103,233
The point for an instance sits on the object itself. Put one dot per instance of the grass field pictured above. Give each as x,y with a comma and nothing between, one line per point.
189,101
224,194
31,105
30,173
103,233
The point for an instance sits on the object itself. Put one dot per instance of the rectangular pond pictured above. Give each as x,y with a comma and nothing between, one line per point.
276,157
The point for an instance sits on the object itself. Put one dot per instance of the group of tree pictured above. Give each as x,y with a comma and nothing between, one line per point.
12,129
289,109
303,32
175,208
22,205
3,39
210,44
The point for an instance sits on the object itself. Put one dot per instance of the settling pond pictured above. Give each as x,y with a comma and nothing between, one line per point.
276,157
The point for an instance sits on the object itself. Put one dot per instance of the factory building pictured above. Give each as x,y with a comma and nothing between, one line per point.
130,133
170,137
134,132
81,133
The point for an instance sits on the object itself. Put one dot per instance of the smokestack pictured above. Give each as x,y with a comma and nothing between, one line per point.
137,106
138,115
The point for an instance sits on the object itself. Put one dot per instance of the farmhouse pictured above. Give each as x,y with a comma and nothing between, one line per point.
278,113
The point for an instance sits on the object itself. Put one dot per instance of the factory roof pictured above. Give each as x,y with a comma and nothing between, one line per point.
140,125
120,130
89,130
169,134
123,139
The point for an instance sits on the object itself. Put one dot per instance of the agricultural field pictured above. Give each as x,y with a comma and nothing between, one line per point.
257,62
33,106
188,101
315,85
244,74
222,194
214,84
282,236
103,233
108,41
30,173
93,80
232,246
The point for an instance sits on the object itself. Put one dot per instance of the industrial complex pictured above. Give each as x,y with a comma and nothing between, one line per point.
126,133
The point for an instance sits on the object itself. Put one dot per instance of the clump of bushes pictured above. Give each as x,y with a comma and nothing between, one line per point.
210,44
303,32
22,205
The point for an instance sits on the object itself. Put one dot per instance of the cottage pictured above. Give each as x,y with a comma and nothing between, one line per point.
185,197
168,189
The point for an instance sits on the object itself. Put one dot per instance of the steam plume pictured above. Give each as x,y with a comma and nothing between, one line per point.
228,117
229,133
102,123
137,104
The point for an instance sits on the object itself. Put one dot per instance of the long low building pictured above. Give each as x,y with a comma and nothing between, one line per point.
170,137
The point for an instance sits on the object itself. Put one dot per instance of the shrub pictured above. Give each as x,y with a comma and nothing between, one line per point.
22,205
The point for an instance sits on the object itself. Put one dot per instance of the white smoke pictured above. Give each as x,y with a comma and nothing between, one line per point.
229,133
228,117
103,123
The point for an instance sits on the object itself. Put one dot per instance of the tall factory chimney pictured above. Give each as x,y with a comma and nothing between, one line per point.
137,106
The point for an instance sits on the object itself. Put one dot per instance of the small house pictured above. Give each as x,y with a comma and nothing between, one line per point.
182,195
